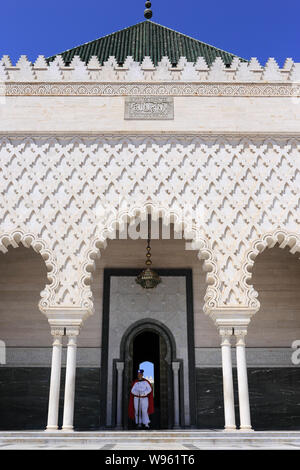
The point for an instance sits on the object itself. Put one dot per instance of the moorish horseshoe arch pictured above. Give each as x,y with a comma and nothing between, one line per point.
205,253
29,240
269,240
162,330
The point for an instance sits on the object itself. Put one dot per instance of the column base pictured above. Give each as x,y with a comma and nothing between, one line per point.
51,428
230,428
68,428
246,429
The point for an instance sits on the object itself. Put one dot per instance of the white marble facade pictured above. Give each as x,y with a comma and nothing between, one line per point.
225,171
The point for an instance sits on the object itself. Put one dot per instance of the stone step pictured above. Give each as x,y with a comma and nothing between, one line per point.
151,440
152,434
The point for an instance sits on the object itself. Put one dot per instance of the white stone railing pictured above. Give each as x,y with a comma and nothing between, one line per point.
131,71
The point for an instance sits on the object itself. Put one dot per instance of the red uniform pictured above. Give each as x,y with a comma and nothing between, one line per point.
131,412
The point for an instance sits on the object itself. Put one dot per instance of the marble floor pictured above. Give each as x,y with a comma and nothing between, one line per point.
150,440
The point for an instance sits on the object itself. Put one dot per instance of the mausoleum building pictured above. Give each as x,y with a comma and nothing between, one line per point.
148,136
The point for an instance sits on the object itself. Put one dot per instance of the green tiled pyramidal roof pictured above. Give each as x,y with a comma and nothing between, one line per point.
146,39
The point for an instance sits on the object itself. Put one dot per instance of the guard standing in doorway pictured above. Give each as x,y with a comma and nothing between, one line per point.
141,403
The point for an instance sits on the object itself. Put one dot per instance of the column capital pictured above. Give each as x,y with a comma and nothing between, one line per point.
57,331
225,331
175,366
120,366
72,331
240,331
240,334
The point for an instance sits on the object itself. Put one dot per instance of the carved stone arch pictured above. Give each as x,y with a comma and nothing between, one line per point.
151,324
99,242
168,356
269,240
18,237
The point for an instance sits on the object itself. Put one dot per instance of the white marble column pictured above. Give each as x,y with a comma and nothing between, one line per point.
53,406
228,395
244,404
120,369
68,417
176,367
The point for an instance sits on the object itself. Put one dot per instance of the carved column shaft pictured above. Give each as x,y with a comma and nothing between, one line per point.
176,367
228,394
241,363
120,369
69,398
53,406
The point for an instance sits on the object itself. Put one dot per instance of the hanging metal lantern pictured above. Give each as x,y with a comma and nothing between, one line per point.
148,278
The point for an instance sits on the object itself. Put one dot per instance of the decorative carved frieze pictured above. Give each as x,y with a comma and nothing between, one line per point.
288,90
233,196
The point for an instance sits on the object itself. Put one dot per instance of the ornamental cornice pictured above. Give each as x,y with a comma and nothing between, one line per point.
240,139
71,318
228,317
288,90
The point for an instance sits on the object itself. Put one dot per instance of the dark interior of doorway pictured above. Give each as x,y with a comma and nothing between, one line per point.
146,347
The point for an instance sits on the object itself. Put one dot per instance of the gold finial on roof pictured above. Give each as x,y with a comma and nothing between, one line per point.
148,12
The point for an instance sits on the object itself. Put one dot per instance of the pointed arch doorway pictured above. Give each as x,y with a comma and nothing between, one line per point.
148,342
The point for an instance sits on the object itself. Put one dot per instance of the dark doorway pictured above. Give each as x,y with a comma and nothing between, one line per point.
167,354
150,346
146,348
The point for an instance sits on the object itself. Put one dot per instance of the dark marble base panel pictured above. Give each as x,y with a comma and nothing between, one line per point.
209,399
274,398
24,394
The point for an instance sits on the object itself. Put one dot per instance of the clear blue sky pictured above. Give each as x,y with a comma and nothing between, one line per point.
148,369
255,28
